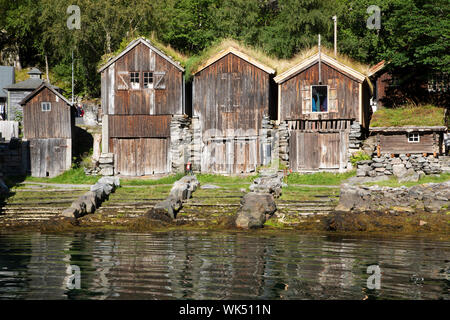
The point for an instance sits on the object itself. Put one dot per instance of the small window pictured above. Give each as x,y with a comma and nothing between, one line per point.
46,106
413,137
319,98
134,79
148,80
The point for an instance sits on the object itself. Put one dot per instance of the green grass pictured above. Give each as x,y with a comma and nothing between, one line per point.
220,179
72,176
393,182
307,193
150,182
422,115
319,178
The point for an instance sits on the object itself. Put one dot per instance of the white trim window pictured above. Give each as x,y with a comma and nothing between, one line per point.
148,80
134,80
413,137
319,98
46,106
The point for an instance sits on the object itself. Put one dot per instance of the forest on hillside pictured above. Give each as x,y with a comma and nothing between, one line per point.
414,35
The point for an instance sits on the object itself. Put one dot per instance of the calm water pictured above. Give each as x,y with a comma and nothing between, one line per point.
197,265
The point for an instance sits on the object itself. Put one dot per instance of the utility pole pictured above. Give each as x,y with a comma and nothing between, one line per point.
72,79
335,35
320,64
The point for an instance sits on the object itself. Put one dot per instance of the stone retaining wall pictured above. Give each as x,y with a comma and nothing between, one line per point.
406,168
14,158
431,197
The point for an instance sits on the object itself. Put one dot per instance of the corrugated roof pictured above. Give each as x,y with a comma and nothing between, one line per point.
6,79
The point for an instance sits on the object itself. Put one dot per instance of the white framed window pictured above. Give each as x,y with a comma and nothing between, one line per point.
134,80
319,98
413,137
148,79
46,106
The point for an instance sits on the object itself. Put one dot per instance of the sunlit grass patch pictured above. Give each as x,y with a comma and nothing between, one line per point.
422,115
319,178
393,182
72,176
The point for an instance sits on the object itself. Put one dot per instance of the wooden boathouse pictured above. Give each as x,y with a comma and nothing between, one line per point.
48,125
231,93
424,140
141,89
321,100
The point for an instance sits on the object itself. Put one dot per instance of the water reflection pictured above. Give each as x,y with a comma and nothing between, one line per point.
200,265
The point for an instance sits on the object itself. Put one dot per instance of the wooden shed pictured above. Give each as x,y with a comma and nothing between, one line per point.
321,100
409,139
230,95
48,125
141,89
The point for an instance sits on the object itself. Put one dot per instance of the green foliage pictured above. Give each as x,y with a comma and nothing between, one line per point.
75,175
319,178
422,115
217,178
359,156
414,34
393,182
149,182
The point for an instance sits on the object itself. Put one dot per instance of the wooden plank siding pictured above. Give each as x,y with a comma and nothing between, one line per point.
138,119
146,100
293,91
56,123
230,97
50,157
139,126
142,156
398,143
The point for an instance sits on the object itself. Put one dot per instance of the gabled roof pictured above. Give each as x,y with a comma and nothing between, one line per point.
133,44
29,84
237,53
313,60
409,129
6,79
34,71
42,86
379,66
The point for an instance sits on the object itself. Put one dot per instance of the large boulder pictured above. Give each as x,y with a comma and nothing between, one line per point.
409,175
113,181
255,209
168,208
269,183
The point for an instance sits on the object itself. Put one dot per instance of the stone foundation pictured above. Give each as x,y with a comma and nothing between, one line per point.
405,168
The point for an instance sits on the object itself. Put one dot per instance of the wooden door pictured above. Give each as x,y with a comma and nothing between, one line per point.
317,150
48,157
141,156
230,155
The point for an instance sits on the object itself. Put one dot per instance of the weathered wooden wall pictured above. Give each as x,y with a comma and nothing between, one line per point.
15,97
140,156
56,123
230,98
139,126
138,120
119,99
398,143
50,157
317,150
343,89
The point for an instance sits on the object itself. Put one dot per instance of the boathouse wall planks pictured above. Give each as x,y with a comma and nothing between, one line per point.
142,89
230,97
319,138
49,130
